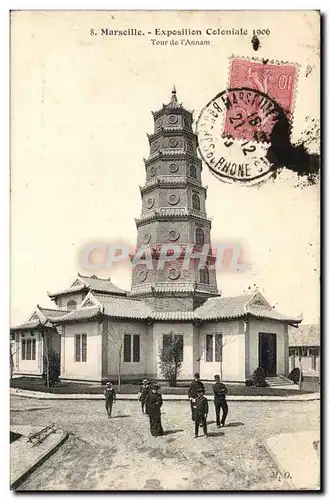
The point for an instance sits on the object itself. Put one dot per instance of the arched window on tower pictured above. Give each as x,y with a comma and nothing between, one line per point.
199,237
196,202
193,171
71,305
204,276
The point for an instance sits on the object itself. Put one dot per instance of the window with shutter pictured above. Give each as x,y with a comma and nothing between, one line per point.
193,171
204,276
33,348
199,237
196,202
77,347
209,348
136,348
84,347
218,347
28,349
127,348
23,349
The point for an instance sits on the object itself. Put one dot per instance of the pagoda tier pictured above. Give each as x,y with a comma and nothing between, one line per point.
173,211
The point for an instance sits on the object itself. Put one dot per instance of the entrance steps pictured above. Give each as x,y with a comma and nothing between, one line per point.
279,381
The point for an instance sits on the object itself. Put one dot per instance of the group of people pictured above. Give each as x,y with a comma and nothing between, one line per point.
199,403
152,401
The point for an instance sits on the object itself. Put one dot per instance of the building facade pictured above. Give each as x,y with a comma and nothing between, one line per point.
304,349
173,290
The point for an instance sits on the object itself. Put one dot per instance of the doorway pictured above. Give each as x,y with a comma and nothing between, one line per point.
268,353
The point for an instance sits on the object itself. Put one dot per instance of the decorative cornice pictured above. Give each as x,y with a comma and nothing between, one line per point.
178,111
156,249
158,289
175,154
170,131
172,182
163,214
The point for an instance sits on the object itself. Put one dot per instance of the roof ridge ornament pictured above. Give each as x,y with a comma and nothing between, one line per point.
173,97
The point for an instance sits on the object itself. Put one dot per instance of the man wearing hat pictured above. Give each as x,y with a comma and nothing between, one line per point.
143,393
202,409
110,397
192,393
220,391
154,402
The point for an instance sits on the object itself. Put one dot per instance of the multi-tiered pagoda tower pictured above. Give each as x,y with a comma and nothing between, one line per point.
173,213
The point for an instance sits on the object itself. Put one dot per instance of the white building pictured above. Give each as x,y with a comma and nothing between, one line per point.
93,318
304,343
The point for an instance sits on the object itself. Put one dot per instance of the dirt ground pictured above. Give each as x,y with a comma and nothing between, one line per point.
120,454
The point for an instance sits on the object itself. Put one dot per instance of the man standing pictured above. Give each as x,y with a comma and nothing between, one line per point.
220,391
202,409
192,393
110,397
144,391
154,402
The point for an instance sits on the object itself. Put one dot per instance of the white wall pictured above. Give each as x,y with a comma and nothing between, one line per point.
29,367
91,369
263,326
185,329
233,341
118,329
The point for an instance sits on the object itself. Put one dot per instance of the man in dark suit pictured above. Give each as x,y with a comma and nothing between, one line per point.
192,393
220,391
144,391
110,398
154,403
202,409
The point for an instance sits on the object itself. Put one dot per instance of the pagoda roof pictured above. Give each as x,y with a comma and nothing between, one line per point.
28,325
92,283
40,318
99,305
107,305
246,305
172,106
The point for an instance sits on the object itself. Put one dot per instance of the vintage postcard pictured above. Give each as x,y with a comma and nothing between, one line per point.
165,251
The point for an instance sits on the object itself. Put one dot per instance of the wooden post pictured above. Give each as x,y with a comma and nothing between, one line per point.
11,362
119,366
47,359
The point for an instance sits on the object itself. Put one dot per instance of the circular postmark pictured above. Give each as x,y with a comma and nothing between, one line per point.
235,132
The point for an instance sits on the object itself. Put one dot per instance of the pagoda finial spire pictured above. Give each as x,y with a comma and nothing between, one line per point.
173,98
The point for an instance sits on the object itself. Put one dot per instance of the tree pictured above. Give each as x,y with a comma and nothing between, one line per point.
51,363
170,357
116,337
51,367
259,377
11,355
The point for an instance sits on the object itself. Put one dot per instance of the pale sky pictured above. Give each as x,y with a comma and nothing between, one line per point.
81,109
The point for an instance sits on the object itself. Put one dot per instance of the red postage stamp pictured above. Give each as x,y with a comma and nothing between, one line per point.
248,120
